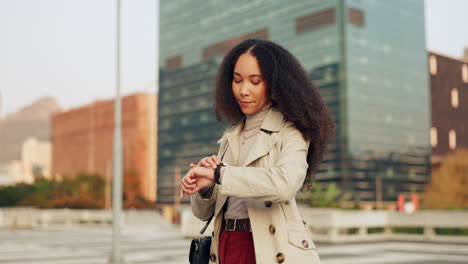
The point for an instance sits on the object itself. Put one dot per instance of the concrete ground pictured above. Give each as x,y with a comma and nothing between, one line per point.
164,244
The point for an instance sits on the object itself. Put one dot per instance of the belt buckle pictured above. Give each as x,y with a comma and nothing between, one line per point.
233,227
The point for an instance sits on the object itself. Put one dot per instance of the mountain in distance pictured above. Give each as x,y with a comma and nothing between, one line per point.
30,121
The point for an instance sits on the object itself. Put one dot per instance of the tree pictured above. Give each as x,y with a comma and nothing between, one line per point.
86,190
448,187
11,195
133,197
328,197
40,195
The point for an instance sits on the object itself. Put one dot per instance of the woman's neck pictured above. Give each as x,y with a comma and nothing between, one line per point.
254,121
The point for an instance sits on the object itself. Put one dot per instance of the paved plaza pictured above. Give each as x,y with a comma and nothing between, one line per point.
164,244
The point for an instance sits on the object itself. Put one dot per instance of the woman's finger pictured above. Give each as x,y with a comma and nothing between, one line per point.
215,158
193,191
201,161
189,180
186,190
188,185
206,163
210,163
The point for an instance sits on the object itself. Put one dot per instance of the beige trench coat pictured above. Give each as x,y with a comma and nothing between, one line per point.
270,177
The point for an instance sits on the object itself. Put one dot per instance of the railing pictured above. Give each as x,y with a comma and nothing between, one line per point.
26,217
325,225
341,226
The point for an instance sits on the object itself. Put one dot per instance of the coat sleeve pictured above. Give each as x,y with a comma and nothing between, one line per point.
279,183
203,207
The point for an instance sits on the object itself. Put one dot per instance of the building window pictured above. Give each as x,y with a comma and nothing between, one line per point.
315,20
433,64
356,17
452,139
204,118
465,73
454,97
433,137
223,47
390,172
173,63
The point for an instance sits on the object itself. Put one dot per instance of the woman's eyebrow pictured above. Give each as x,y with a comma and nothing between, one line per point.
255,75
251,75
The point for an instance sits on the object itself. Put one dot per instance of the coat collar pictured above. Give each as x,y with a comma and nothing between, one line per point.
271,123
273,120
264,142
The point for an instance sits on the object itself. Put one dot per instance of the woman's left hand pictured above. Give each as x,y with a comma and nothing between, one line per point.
204,177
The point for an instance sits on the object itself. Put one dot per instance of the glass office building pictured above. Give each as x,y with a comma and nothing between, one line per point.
368,59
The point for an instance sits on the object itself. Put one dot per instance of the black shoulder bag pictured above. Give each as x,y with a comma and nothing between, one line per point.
200,247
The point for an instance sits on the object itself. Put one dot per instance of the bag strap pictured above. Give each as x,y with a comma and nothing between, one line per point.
206,225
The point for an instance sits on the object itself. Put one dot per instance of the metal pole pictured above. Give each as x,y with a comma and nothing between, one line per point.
378,187
116,257
0,105
157,14
177,173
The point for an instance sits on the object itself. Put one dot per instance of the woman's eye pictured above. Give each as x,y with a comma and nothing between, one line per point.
255,83
237,81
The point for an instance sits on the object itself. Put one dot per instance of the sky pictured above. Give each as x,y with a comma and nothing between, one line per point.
66,48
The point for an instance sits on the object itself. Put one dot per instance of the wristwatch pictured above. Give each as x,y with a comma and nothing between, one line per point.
217,172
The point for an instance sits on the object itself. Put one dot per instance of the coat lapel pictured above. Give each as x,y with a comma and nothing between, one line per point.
230,141
261,146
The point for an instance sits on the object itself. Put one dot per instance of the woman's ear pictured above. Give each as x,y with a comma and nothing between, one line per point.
273,98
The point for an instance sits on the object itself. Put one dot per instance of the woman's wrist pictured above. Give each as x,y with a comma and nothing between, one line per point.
218,172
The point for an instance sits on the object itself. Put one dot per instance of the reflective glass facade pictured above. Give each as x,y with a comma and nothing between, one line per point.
367,58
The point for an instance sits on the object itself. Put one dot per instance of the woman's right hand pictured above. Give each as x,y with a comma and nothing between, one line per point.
197,178
188,183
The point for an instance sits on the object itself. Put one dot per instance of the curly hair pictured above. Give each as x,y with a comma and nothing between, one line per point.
291,92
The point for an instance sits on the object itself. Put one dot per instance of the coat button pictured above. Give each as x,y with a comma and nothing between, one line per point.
272,229
280,257
305,243
268,204
213,258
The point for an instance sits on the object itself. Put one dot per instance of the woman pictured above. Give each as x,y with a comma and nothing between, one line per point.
277,138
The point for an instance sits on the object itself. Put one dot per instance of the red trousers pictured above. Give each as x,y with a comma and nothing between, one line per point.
236,247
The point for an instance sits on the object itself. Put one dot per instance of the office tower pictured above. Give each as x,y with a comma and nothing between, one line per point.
367,58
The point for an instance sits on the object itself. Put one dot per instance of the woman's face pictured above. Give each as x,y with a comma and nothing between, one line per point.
248,85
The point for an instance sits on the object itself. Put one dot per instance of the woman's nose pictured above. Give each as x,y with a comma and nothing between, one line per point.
243,90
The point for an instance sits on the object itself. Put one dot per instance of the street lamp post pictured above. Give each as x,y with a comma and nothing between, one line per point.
116,257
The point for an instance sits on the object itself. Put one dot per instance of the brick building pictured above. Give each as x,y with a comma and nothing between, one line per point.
82,140
449,100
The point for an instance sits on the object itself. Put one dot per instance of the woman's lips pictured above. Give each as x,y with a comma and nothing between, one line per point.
242,103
